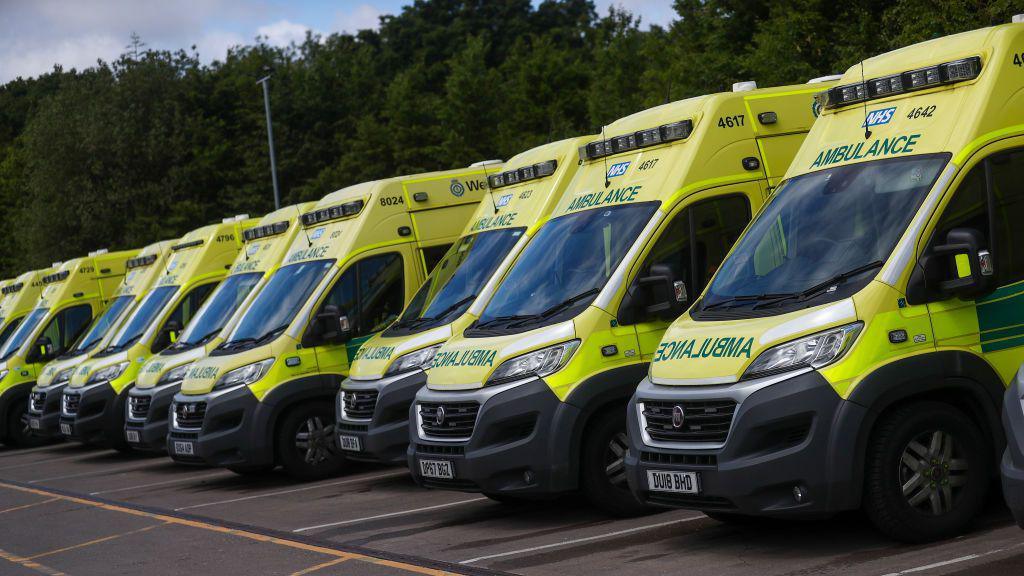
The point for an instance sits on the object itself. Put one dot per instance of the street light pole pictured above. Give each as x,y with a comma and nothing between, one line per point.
265,82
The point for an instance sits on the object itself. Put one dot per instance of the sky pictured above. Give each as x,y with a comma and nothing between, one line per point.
36,34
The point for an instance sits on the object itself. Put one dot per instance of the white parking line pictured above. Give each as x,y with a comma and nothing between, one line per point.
953,561
280,492
93,473
41,462
20,451
582,540
165,482
389,515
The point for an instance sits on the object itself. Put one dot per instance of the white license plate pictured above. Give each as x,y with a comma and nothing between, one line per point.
132,436
350,443
676,482
65,429
34,423
436,469
185,448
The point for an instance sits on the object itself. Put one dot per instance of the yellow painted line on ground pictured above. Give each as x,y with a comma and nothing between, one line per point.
23,506
26,563
96,541
235,532
320,566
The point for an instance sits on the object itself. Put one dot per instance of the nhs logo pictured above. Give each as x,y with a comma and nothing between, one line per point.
878,117
503,201
617,169
317,233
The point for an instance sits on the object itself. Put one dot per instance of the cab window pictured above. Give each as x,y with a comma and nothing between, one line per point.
371,293
432,255
697,240
64,329
182,314
9,330
970,208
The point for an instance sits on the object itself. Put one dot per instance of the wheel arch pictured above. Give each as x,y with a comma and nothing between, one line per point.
285,397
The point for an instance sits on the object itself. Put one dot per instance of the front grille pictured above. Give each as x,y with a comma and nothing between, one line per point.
69,403
448,419
437,450
189,415
345,427
703,420
692,501
679,459
138,407
359,404
37,400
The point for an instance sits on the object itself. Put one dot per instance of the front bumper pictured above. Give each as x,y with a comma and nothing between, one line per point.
90,414
784,439
146,416
44,410
228,428
1012,465
511,446
384,436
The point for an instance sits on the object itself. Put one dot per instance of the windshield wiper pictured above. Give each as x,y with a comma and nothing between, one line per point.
743,298
833,281
560,307
119,347
500,319
269,335
450,309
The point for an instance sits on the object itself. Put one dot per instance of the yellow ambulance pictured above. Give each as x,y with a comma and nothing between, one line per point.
17,298
72,294
529,400
160,377
373,407
265,396
854,348
44,400
93,404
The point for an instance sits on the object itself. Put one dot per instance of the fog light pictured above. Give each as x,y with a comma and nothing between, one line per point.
528,477
799,494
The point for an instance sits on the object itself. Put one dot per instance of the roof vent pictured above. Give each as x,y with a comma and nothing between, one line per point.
99,252
486,163
1017,19
744,86
240,217
56,264
829,78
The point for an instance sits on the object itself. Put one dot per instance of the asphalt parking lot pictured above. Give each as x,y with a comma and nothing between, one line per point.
67,509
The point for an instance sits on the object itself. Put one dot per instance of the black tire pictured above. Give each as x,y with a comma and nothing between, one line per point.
304,456
18,434
921,493
603,448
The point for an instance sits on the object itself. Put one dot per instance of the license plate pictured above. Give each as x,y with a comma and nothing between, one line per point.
65,429
350,443
184,448
132,436
436,469
34,423
676,482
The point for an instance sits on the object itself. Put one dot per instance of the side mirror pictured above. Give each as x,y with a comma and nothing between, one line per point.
44,348
171,331
961,267
662,295
329,325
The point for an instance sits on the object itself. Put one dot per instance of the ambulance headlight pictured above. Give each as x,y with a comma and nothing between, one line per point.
418,360
62,377
244,376
174,374
109,373
814,351
540,363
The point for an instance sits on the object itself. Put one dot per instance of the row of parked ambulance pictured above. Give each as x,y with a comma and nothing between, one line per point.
782,302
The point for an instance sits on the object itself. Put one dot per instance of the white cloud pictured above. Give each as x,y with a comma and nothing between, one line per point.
361,17
283,33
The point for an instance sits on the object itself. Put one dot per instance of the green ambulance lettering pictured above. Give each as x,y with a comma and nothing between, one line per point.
374,353
465,358
494,222
203,373
307,254
155,367
614,196
726,347
850,152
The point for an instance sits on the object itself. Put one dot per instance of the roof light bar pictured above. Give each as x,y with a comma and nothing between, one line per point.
11,289
909,81
265,230
56,277
332,213
140,261
185,245
532,172
642,139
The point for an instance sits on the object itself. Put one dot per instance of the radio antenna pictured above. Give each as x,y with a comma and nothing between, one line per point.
490,193
867,130
604,142
309,243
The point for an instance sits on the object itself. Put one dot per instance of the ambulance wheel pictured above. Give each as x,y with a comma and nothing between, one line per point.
603,466
305,442
18,433
927,473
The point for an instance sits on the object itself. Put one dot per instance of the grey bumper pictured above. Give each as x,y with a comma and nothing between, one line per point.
384,435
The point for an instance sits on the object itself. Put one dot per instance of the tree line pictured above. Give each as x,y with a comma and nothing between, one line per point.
155,143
